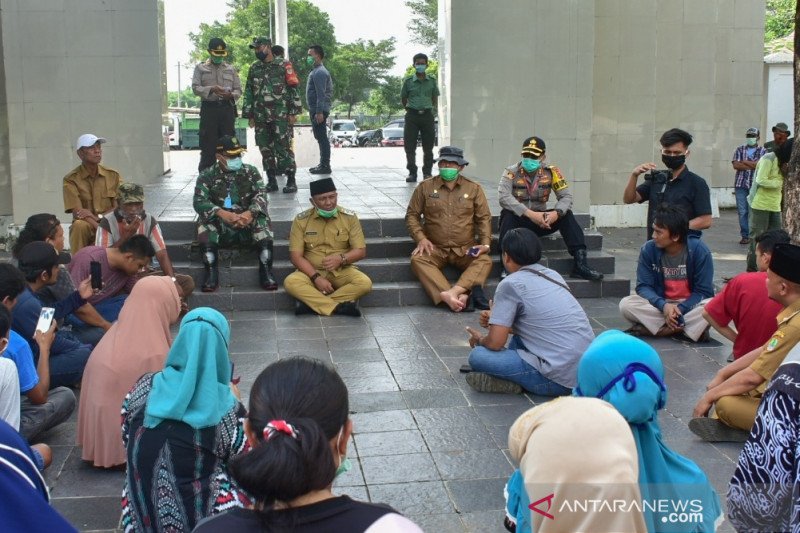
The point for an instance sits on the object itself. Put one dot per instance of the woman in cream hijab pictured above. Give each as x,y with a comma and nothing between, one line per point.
571,451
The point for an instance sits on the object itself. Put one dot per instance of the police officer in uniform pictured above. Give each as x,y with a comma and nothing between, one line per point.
231,206
524,191
325,242
443,217
217,84
272,103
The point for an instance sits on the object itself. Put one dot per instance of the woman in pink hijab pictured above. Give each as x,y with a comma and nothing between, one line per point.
137,343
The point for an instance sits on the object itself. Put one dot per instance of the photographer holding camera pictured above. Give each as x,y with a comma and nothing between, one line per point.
677,186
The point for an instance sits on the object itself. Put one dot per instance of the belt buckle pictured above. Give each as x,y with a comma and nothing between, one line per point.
421,111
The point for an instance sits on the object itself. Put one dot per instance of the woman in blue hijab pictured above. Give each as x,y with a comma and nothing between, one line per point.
627,372
180,427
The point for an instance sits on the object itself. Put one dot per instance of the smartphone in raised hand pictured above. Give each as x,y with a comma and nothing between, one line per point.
46,316
96,273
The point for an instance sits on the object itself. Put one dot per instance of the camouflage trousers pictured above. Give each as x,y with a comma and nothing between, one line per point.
221,234
274,139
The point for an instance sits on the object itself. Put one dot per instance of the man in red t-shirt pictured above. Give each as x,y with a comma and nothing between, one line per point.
744,302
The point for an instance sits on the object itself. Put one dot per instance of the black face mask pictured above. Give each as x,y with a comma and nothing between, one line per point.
673,162
261,55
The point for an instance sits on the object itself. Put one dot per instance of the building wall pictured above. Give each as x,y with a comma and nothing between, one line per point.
780,97
599,82
72,67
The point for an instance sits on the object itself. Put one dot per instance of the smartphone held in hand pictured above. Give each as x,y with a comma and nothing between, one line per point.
96,274
474,251
45,319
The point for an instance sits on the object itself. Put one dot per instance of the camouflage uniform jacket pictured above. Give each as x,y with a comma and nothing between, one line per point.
246,189
267,96
518,191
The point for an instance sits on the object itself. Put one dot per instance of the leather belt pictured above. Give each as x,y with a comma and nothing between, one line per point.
417,111
216,103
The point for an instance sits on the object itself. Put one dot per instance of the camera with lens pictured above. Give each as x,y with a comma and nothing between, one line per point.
657,177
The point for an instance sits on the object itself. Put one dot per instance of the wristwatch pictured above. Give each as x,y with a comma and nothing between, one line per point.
315,276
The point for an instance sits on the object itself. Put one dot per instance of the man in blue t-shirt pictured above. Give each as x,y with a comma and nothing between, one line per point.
41,408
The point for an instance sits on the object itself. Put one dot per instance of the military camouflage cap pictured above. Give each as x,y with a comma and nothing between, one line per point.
229,145
260,41
130,193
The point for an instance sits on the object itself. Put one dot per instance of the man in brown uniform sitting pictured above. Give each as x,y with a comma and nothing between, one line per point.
443,217
90,191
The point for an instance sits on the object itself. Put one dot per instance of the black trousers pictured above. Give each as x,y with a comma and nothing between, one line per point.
567,225
216,120
321,135
419,124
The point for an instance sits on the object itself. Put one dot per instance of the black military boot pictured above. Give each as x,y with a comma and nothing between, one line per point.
211,266
582,270
272,182
265,276
291,184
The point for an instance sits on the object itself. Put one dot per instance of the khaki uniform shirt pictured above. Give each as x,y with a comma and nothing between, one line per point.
207,75
779,345
98,195
317,237
450,219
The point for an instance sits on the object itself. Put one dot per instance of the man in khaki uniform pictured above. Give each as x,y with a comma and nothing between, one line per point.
736,390
454,209
325,242
90,191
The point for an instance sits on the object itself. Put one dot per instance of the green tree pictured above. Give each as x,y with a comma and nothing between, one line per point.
780,19
432,70
188,98
361,66
385,99
424,23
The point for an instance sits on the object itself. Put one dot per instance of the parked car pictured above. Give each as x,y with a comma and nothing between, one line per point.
392,136
344,131
369,138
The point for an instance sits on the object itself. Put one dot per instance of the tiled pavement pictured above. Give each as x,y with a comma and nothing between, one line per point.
423,441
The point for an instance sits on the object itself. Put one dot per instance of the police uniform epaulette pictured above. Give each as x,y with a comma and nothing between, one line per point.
307,213
347,211
510,172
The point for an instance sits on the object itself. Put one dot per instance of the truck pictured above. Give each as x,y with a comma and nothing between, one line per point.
184,130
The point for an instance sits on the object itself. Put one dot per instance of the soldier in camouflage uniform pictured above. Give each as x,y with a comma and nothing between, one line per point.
524,191
272,103
231,206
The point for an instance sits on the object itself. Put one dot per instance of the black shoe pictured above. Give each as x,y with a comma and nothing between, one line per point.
347,309
479,298
312,169
582,270
326,169
272,181
265,277
211,266
291,184
713,430
301,308
411,178
465,369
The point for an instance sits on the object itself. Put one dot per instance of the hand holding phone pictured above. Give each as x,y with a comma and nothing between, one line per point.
234,380
474,251
45,319
96,275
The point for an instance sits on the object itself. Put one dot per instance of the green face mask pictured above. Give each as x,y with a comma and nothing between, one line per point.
448,174
309,61
328,214
217,59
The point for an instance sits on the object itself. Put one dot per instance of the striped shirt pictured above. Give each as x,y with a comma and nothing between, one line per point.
108,231
744,178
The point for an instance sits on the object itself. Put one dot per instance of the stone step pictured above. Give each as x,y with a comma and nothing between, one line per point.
377,247
185,230
236,273
386,294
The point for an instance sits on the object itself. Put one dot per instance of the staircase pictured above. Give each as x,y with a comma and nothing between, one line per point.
387,264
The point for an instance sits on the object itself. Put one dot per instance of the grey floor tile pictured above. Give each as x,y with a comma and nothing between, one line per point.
365,369
500,415
383,421
471,437
299,334
484,522
440,523
408,354
416,382
356,493
89,514
399,468
347,332
472,464
79,479
366,402
356,356
357,384
419,498
446,417
286,346
416,366
472,496
356,343
429,398
390,443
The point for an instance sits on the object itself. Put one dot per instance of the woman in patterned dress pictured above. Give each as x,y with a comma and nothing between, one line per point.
181,426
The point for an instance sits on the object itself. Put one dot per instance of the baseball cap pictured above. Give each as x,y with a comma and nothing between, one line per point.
260,41
752,131
781,126
533,146
38,256
130,193
217,47
88,139
229,145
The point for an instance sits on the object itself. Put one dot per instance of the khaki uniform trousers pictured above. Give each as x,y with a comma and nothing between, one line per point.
349,285
81,235
637,310
428,269
737,411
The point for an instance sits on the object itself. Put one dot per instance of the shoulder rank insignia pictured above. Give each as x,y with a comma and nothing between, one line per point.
347,211
509,175
306,213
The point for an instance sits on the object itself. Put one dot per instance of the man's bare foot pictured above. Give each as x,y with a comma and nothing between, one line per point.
453,302
46,453
464,299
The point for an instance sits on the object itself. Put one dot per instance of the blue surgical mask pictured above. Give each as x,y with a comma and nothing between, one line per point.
531,165
234,164
420,68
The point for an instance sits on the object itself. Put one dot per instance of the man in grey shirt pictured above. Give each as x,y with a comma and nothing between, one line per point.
549,329
319,90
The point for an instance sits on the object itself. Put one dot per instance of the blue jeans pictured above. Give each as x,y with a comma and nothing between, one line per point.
109,309
507,364
743,210
321,135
